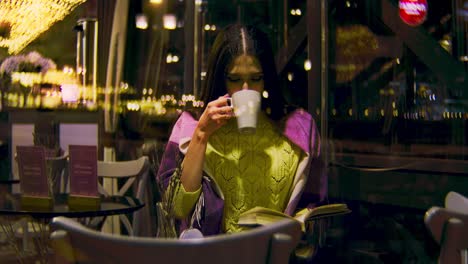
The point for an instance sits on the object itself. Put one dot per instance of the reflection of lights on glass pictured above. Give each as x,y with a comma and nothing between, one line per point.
464,58
141,21
203,73
348,4
366,112
68,70
290,76
150,91
393,104
172,58
144,91
169,58
350,112
70,92
382,112
307,65
209,27
265,94
133,106
296,12
398,60
169,21
445,42
157,2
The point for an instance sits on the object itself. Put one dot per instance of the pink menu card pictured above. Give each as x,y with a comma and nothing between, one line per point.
32,171
83,170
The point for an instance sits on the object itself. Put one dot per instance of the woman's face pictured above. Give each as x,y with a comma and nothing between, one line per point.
245,72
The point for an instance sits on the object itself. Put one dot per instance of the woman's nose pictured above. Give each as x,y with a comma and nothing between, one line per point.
245,86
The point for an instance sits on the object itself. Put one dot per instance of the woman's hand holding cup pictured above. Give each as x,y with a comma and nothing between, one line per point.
216,114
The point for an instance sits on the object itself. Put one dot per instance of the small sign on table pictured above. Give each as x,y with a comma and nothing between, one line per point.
83,176
34,184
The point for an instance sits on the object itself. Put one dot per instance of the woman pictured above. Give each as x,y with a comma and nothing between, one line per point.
224,173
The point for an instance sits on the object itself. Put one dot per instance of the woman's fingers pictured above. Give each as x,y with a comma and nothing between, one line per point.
216,114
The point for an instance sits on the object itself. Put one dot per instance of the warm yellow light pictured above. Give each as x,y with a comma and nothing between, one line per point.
157,2
28,19
307,65
141,21
170,21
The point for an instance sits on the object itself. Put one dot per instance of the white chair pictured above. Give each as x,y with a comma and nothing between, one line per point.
449,227
135,173
75,243
457,202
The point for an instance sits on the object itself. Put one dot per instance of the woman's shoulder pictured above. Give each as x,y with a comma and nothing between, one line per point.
183,127
297,116
298,125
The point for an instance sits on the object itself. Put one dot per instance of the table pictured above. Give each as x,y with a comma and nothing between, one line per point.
14,215
109,205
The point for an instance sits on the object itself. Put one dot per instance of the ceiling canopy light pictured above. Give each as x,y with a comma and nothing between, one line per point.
27,19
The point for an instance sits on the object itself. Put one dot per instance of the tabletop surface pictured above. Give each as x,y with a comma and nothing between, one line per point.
11,204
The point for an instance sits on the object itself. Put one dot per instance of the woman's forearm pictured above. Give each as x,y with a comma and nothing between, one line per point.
193,162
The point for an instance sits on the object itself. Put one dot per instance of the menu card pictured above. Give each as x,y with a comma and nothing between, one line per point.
32,171
83,170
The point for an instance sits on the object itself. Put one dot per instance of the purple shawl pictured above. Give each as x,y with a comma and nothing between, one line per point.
296,127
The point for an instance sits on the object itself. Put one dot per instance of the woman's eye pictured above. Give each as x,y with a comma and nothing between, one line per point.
257,78
233,79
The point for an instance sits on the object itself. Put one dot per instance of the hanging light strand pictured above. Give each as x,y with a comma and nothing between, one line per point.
28,19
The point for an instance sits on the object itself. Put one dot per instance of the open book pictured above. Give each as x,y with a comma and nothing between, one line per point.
263,216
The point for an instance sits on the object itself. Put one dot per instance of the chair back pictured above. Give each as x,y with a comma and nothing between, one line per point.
266,244
450,229
136,175
456,202
58,171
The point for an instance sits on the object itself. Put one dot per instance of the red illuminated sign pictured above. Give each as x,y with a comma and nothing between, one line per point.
413,12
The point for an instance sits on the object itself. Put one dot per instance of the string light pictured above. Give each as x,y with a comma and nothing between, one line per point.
29,19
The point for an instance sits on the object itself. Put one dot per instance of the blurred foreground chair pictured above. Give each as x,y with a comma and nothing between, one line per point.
136,175
75,243
449,227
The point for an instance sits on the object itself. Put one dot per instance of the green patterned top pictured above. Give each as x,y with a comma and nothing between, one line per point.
252,170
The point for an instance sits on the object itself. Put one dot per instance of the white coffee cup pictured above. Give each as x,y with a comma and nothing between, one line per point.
246,104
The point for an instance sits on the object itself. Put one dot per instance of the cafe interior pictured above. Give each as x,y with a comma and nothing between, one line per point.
386,82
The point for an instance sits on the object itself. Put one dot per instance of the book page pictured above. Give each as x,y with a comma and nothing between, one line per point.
261,216
327,209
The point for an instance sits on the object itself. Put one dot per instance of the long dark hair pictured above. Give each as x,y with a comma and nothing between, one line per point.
235,40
